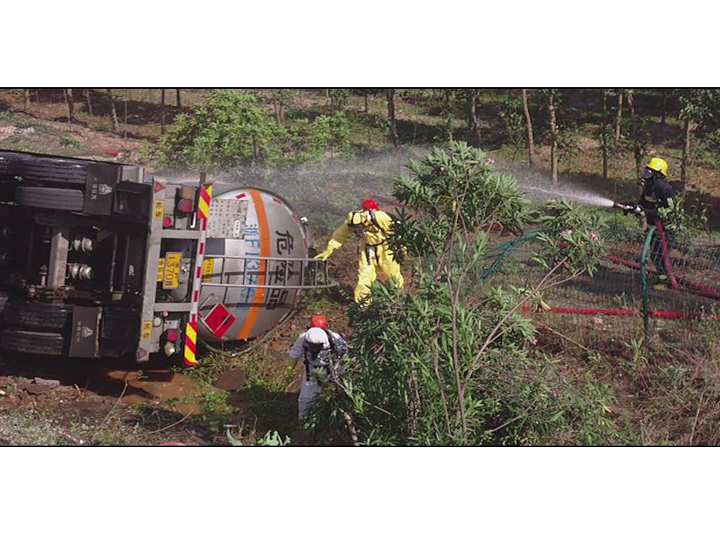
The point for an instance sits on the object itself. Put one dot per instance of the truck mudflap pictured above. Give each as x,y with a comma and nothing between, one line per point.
85,332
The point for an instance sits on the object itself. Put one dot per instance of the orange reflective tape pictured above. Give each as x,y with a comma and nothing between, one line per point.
203,210
259,298
204,202
190,359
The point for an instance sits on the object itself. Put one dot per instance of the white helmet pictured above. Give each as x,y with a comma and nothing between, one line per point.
317,336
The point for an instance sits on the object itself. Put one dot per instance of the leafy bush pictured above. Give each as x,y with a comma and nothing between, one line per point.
307,141
686,225
233,130
69,142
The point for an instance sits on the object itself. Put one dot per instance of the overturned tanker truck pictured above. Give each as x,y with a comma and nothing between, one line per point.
98,259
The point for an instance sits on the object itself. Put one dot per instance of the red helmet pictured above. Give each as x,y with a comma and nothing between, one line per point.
370,204
319,321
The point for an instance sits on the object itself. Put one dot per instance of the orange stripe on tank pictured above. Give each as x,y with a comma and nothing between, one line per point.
259,298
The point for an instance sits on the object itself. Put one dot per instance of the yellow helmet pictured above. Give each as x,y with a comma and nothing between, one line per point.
658,165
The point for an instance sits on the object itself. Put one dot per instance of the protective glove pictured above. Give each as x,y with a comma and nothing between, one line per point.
322,256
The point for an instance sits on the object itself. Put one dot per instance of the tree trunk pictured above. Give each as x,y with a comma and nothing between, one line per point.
448,115
125,124
26,106
367,105
327,97
472,117
528,121
390,92
415,116
637,151
113,111
604,137
70,104
89,104
618,120
162,111
664,106
276,108
553,139
179,103
685,164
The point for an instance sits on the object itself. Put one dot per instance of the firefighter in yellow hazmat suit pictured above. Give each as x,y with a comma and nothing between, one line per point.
372,227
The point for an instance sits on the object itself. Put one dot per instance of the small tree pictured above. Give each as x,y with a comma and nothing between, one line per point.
552,96
113,111
515,127
528,121
70,104
307,141
162,111
339,98
390,94
281,100
473,122
700,112
618,117
636,134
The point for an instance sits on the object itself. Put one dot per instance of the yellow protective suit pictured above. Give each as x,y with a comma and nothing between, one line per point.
374,251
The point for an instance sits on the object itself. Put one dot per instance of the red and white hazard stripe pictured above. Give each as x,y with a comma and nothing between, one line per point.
203,214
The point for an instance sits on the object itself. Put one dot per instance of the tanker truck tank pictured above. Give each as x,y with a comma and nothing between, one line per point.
256,263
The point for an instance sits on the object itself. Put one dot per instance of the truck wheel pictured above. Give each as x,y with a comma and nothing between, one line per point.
25,341
36,315
55,198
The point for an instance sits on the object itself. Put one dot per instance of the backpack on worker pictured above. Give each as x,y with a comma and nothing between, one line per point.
320,352
359,224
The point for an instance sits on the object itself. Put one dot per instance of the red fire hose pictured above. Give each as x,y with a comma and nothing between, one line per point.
665,253
695,288
628,313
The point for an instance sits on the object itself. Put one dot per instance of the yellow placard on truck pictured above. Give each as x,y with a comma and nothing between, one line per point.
208,269
159,209
146,331
171,277
161,269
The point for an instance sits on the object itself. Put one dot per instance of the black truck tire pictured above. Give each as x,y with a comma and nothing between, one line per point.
41,168
55,198
36,315
26,341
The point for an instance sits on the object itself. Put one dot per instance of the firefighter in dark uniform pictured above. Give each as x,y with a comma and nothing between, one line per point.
658,193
